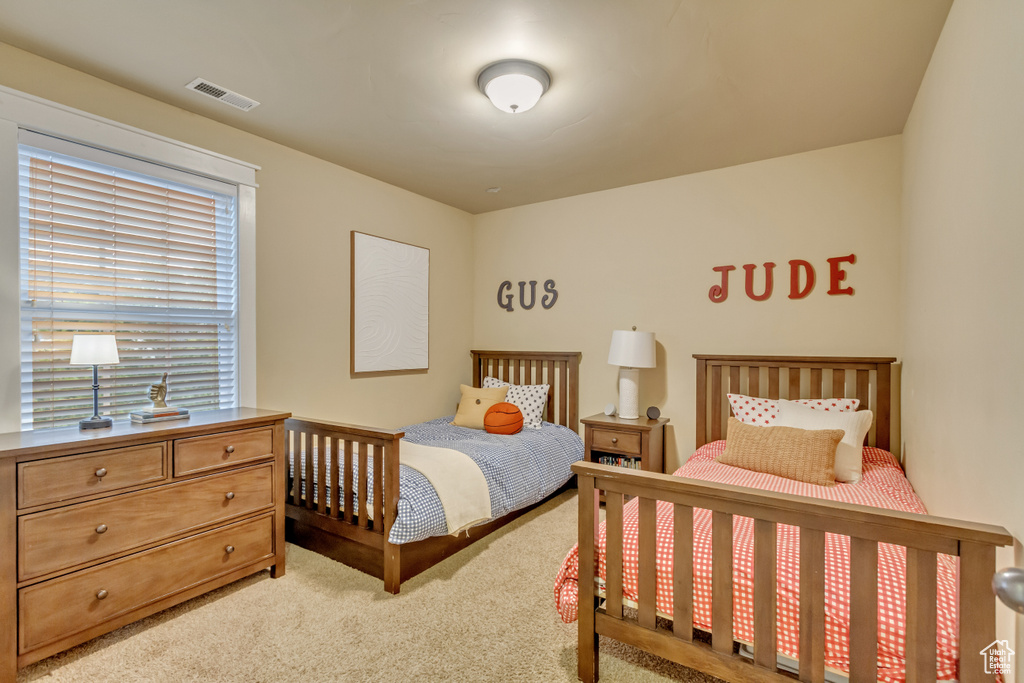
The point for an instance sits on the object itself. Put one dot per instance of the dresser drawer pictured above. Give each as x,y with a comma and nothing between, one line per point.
76,476
62,607
57,539
204,453
620,442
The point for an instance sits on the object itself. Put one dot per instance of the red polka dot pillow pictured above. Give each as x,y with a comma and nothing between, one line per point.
532,399
764,411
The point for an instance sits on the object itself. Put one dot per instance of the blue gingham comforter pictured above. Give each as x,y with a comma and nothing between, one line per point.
520,469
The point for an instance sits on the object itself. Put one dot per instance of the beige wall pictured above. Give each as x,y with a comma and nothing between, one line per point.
642,255
963,304
305,210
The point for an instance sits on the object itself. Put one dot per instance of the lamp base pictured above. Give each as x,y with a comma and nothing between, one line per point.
629,393
95,423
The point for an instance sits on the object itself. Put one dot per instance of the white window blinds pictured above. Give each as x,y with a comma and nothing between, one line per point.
115,245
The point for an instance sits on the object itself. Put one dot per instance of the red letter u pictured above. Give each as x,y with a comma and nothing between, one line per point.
750,267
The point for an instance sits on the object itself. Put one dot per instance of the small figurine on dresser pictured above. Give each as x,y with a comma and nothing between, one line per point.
160,412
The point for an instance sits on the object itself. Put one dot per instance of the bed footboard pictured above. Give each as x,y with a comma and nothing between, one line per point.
320,505
923,536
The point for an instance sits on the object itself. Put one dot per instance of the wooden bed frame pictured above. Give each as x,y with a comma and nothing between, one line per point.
326,525
924,536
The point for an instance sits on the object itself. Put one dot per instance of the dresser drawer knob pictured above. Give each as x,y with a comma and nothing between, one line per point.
101,594
229,549
229,495
101,472
101,529
615,440
229,449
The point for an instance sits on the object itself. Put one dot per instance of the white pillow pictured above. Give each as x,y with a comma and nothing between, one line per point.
849,454
763,411
531,399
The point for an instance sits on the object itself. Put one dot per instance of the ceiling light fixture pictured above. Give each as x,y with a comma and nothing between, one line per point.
514,85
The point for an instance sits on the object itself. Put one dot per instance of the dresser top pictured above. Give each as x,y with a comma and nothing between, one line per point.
124,432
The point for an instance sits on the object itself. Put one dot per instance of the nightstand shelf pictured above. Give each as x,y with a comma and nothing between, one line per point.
636,444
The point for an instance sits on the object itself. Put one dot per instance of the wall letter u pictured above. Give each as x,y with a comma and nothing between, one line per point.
750,268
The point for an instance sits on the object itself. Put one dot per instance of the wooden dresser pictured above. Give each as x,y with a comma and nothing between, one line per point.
101,528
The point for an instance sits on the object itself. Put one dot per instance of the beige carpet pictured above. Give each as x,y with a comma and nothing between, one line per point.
486,614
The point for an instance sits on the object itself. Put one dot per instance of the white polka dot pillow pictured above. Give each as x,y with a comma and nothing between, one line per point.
764,411
531,399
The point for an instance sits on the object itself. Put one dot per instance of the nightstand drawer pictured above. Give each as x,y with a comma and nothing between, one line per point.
58,539
620,442
60,608
204,453
93,474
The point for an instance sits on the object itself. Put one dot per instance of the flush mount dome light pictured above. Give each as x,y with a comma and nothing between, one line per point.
514,85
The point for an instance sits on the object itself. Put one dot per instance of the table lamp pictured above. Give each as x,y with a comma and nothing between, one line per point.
631,350
94,350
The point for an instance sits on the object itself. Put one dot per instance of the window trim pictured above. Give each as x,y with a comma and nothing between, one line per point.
20,110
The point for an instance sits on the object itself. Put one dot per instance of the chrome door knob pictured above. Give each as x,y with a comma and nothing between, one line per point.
1008,584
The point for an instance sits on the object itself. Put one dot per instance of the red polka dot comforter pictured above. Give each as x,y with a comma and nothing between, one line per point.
884,486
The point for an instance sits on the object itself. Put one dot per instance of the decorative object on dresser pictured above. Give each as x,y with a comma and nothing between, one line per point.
160,412
357,528
745,575
158,415
390,315
100,529
635,444
631,350
158,393
94,350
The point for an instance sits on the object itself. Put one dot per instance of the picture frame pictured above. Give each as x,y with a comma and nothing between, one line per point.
389,312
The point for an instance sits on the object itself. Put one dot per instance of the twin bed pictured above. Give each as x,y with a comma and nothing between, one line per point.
770,583
740,574
393,524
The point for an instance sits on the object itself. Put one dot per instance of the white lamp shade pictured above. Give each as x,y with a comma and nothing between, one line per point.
632,349
94,349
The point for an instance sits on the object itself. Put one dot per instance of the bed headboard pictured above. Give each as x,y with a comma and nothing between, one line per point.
559,369
792,377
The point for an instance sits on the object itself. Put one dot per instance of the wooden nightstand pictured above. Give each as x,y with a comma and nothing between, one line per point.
638,444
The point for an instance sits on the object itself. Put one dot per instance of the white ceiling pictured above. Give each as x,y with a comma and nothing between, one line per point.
641,89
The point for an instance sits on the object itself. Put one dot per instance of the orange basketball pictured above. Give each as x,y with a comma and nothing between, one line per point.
503,418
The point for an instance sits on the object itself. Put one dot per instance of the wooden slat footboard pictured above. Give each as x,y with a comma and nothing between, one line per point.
321,503
923,536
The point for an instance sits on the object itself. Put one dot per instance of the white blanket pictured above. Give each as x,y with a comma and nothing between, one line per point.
457,479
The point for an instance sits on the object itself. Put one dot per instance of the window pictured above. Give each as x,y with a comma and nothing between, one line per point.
111,244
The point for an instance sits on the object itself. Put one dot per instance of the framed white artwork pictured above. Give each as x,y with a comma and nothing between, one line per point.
390,315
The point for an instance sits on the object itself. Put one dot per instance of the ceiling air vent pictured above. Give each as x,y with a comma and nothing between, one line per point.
223,94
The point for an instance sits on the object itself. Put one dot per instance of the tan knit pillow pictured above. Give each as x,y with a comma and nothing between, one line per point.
807,455
474,405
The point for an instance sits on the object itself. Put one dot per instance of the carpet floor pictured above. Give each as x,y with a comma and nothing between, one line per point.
486,614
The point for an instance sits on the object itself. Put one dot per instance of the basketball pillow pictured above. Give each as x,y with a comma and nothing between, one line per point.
503,418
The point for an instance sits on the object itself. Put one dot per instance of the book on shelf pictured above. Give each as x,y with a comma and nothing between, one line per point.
629,463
